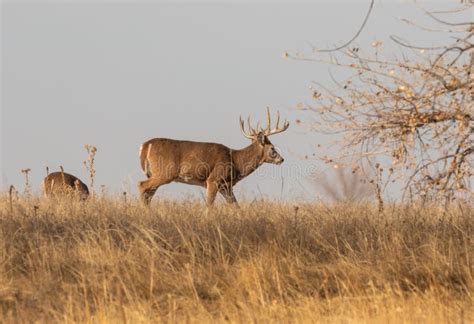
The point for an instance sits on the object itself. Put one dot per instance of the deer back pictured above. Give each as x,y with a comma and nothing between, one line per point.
174,158
62,183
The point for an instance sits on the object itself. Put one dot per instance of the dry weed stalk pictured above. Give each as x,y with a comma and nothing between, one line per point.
27,180
11,191
89,164
414,113
62,173
124,194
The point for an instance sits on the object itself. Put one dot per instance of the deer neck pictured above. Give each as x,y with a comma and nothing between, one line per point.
247,159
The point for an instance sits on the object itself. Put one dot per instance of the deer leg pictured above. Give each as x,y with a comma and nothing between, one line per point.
212,189
228,194
147,188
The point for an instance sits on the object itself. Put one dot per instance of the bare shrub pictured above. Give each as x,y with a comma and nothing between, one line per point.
343,185
413,112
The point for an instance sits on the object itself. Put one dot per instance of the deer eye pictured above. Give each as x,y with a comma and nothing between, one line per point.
273,153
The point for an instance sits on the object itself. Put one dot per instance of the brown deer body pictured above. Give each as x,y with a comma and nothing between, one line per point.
64,184
210,165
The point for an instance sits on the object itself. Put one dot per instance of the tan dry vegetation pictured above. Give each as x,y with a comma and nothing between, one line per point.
110,261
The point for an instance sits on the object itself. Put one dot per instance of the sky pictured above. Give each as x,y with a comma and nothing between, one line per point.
117,73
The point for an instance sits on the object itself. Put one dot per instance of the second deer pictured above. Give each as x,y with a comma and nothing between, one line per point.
64,184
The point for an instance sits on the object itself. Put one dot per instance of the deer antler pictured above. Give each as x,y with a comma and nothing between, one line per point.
252,133
268,131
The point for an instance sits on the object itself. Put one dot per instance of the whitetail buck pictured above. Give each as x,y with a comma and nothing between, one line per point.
210,165
64,184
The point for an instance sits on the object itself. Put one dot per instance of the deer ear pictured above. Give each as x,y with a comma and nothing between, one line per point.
261,138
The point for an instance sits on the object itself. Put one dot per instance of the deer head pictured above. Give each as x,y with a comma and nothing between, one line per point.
259,136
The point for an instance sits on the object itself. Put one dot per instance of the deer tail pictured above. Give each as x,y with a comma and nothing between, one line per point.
144,154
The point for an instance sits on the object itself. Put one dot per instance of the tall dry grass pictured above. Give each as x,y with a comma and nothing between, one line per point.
111,260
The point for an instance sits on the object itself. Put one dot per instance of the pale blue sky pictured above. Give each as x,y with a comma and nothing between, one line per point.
115,74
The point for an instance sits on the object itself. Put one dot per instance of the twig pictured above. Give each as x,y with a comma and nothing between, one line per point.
355,36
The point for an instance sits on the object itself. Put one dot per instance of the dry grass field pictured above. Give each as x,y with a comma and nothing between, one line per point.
114,261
